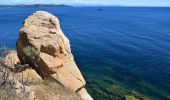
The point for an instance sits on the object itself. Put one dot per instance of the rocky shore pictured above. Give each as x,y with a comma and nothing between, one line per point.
43,67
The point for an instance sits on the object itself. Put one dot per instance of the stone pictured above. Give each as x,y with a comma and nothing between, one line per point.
12,86
28,76
129,97
11,59
42,31
84,94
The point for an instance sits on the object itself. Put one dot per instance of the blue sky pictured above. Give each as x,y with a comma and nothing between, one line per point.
92,2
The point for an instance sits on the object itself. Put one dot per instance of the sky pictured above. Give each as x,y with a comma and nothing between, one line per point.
91,2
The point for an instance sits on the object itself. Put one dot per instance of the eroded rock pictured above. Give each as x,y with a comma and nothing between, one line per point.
84,94
42,31
11,59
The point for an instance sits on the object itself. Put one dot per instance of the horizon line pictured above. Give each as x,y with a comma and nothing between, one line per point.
81,5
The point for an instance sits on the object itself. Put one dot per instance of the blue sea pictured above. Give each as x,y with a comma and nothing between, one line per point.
120,50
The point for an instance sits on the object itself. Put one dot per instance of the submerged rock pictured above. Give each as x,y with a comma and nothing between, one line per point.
42,31
128,97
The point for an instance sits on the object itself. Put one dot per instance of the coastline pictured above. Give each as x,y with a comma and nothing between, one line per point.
32,6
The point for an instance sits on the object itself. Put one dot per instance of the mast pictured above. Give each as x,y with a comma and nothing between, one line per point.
100,6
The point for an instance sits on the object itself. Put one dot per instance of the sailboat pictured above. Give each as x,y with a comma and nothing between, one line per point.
100,7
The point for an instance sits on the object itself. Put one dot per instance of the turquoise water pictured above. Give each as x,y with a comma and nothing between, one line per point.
119,50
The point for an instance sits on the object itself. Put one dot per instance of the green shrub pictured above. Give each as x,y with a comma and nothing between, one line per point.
32,54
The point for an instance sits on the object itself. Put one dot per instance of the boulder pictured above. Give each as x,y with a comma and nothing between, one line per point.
11,59
22,73
42,31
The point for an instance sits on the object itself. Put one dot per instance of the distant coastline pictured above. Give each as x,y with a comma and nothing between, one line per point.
62,5
32,6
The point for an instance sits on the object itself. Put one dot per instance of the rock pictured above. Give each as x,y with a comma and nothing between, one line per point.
23,92
49,63
69,75
28,76
167,98
32,96
12,86
84,95
42,31
11,59
1,59
129,97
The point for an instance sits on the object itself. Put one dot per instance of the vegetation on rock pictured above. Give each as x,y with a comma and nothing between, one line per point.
32,54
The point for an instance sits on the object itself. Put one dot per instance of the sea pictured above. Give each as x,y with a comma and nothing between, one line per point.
121,51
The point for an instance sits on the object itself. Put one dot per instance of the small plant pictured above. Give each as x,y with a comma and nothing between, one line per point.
33,58
3,50
32,53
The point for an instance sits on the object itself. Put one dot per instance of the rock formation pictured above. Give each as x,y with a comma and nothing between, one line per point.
10,59
21,82
13,77
41,31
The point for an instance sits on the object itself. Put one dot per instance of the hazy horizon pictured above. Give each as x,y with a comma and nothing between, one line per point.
151,3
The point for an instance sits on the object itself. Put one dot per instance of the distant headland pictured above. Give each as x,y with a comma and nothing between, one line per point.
34,5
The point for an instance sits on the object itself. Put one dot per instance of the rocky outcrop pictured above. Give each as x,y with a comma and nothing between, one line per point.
21,82
42,31
21,72
14,76
11,59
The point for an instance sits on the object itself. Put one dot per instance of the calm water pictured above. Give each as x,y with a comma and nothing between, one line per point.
118,50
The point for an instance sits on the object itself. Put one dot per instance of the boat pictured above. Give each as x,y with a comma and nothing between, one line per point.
100,7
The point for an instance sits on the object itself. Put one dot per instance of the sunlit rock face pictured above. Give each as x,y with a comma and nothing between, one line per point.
42,31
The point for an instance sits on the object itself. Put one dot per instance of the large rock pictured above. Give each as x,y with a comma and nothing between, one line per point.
11,59
42,31
22,73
